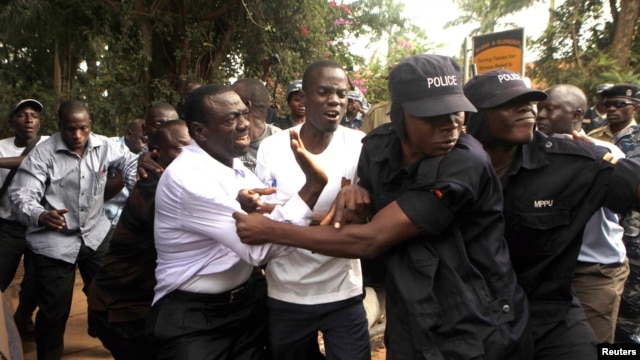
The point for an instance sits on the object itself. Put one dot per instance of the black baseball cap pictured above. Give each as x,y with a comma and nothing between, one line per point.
602,87
16,106
629,91
497,87
428,85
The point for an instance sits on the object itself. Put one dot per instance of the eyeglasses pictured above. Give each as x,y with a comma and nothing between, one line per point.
617,104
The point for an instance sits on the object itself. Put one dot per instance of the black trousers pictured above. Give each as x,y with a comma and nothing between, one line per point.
293,330
570,339
228,326
13,245
55,281
125,340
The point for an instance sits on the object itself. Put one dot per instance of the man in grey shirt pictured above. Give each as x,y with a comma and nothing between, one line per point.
58,193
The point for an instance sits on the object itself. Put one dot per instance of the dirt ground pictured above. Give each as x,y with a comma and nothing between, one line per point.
378,351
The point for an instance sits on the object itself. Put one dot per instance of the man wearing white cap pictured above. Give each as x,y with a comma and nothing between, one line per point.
24,120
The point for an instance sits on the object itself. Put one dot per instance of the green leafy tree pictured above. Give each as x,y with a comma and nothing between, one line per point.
487,13
120,56
582,47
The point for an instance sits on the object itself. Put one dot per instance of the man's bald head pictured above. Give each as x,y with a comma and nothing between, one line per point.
562,111
157,114
570,95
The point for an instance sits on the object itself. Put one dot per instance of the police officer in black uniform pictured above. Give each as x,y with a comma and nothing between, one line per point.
437,222
551,188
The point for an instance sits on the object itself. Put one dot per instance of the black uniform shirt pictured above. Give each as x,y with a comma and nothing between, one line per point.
550,191
451,291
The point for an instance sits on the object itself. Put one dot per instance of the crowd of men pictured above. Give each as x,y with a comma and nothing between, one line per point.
484,216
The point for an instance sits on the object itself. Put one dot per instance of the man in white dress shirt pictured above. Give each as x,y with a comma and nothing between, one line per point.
209,300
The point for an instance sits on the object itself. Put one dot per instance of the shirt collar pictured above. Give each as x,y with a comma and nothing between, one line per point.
59,144
236,166
531,155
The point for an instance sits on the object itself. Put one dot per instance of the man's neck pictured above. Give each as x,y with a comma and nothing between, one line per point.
314,140
257,128
616,128
21,142
297,119
501,155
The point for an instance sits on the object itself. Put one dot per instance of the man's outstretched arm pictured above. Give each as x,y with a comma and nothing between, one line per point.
389,227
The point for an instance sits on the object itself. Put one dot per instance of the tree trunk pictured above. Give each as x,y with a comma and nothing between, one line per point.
66,69
146,38
625,31
57,72
185,55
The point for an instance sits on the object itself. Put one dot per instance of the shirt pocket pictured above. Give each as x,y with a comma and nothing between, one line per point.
99,183
539,225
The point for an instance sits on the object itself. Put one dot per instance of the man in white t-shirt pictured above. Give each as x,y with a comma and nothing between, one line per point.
24,120
309,292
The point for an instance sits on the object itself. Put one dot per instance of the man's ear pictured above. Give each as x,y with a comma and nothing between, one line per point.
578,115
198,131
128,133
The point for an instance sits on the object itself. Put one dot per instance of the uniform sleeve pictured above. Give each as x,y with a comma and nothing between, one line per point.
428,208
362,171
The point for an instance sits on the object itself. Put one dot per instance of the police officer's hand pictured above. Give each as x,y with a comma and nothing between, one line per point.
250,200
53,219
352,205
252,228
147,162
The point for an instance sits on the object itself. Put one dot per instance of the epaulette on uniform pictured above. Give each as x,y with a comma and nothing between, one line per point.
556,145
